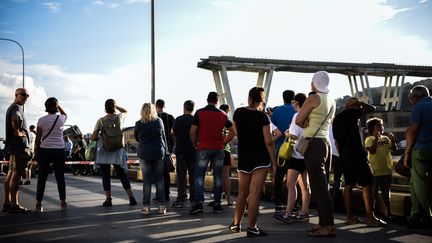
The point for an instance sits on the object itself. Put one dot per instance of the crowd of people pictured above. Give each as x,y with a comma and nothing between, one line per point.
203,138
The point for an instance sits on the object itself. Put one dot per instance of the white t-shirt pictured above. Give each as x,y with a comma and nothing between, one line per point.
297,131
55,138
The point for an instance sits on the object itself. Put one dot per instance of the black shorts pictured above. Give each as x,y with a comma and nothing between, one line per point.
296,164
227,159
356,170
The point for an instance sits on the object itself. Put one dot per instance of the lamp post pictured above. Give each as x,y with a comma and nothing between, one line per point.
152,54
22,54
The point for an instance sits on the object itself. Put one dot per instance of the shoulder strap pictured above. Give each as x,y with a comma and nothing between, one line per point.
325,119
51,128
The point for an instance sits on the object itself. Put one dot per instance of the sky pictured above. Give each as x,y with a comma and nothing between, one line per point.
83,52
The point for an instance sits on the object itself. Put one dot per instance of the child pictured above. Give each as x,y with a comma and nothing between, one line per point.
379,146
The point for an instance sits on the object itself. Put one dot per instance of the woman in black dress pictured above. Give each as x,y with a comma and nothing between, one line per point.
255,156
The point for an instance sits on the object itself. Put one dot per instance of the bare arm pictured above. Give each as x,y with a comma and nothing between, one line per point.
411,134
38,139
372,149
276,134
16,126
269,143
310,103
60,109
230,136
193,134
121,109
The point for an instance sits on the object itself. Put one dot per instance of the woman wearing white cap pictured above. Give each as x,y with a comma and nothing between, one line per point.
315,116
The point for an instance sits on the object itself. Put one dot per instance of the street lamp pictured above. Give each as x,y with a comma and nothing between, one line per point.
152,54
22,54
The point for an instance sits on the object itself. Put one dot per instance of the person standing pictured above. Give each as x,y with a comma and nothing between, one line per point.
31,164
296,173
255,156
116,157
150,135
68,145
380,144
281,118
314,117
353,159
206,134
185,154
16,144
168,122
226,174
49,147
419,150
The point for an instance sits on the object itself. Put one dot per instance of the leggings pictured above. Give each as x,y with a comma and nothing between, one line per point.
46,157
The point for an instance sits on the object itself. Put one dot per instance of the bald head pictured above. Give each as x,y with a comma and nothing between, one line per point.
21,95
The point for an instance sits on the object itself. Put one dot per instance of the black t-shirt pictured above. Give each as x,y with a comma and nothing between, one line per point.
251,145
13,142
181,128
346,132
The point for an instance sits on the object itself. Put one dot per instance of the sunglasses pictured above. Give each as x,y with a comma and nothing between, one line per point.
23,94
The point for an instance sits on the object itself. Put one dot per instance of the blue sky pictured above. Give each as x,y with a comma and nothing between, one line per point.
84,51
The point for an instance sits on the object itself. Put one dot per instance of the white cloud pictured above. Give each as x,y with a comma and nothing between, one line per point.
53,6
423,1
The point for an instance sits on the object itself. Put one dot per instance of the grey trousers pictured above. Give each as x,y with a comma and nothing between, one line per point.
315,160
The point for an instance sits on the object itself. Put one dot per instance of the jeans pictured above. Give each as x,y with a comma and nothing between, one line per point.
203,158
185,165
56,157
106,178
152,170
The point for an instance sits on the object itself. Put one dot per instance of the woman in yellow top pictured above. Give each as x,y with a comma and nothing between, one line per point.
379,146
315,116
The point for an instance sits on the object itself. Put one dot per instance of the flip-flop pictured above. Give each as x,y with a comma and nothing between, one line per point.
324,231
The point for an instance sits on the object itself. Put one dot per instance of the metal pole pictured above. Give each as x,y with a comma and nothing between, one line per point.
152,54
22,55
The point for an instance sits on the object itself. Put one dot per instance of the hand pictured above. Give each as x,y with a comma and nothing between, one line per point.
406,159
389,135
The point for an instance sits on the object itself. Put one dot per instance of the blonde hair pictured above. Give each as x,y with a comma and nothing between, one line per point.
148,113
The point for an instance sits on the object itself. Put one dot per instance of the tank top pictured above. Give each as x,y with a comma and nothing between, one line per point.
317,116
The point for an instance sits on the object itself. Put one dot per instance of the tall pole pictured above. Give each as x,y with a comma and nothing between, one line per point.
152,54
22,55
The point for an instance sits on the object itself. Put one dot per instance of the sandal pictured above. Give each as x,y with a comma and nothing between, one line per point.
324,231
354,220
314,228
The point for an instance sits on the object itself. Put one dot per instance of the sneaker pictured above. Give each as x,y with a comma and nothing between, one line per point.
284,217
145,210
162,210
255,232
196,209
21,182
218,208
177,204
302,217
107,203
18,209
211,204
235,228
27,183
132,201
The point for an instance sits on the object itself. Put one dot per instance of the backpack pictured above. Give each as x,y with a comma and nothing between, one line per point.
111,133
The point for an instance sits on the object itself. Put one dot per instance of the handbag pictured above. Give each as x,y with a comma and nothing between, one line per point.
169,163
303,143
285,151
401,169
